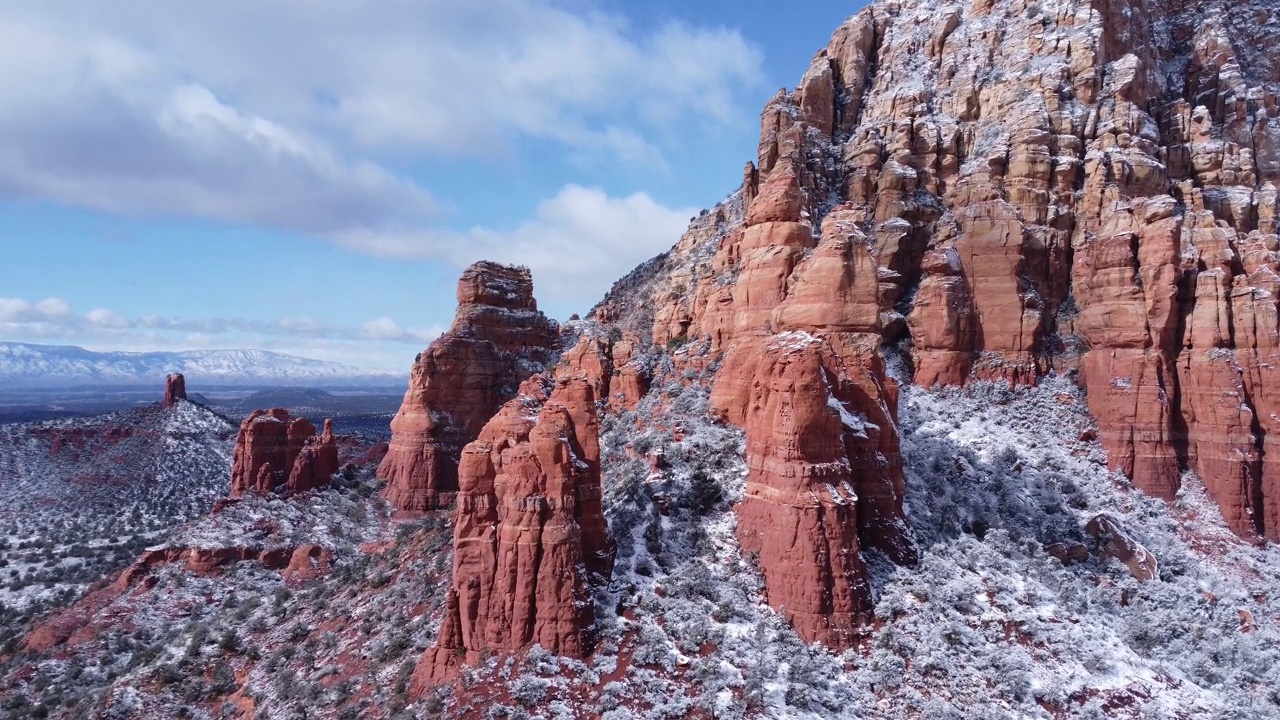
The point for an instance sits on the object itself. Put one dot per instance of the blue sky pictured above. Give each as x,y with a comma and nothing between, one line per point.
311,177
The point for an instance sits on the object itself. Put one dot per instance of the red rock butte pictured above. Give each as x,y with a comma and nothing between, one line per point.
497,340
274,449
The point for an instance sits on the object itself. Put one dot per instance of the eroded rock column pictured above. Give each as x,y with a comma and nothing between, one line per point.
498,338
530,538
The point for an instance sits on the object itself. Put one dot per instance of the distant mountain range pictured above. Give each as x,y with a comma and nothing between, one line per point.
24,365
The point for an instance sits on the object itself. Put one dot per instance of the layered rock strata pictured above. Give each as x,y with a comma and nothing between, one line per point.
498,338
274,449
530,538
811,484
1039,187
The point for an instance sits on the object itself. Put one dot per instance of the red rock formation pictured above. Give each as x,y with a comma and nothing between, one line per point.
614,370
307,563
1118,543
1126,287
817,479
300,432
530,535
836,287
591,358
261,449
60,626
175,389
327,449
274,448
631,378
802,374
498,338
316,460
942,322
799,513
1101,203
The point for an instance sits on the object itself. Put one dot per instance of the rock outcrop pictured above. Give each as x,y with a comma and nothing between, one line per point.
175,389
530,538
800,327
617,375
799,515
1116,541
275,449
1088,190
498,338
307,563
315,462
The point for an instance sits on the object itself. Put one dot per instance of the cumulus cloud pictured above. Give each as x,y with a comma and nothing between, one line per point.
105,318
577,243
281,115
17,310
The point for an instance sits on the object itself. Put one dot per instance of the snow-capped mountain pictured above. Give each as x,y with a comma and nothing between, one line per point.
27,365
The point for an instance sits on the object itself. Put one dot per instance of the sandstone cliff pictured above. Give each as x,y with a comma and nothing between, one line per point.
498,338
1007,192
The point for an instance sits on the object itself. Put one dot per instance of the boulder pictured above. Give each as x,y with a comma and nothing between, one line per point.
1117,542
307,563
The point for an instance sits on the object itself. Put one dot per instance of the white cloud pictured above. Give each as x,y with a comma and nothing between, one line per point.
53,307
577,244
104,318
17,310
379,343
13,309
388,329
291,115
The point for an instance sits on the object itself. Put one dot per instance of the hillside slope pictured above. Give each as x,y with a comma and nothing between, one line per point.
79,498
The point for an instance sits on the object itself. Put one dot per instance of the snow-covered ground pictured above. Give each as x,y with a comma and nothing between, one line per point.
240,640
988,625
80,498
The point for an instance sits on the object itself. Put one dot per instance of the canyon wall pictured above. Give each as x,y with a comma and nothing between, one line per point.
1002,191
